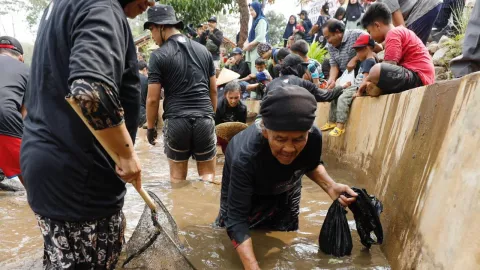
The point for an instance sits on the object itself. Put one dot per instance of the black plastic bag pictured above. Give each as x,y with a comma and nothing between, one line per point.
366,210
335,237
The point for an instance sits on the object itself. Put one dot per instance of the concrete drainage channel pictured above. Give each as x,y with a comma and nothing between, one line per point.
418,152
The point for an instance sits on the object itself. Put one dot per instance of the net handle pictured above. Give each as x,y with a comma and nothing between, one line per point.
148,200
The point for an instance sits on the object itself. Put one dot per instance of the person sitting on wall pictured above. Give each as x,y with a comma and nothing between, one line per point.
292,71
267,52
340,107
264,166
301,48
275,70
237,64
262,78
230,109
407,63
342,54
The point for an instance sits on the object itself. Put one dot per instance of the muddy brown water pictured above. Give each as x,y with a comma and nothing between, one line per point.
194,205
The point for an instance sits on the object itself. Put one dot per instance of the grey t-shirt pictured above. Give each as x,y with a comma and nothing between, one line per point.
412,10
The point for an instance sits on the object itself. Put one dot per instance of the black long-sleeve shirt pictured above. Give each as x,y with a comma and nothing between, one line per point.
225,113
251,170
217,37
320,95
86,49
241,68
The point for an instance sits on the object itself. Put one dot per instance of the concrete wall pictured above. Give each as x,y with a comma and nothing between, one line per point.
418,152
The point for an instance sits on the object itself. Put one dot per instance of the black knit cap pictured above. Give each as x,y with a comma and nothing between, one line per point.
288,108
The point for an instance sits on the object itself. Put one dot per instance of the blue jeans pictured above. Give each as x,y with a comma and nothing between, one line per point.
449,7
423,26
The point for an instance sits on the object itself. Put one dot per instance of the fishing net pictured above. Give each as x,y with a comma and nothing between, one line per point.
155,243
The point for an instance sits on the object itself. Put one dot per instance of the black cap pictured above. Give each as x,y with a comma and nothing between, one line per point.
212,19
292,60
288,108
11,43
162,15
235,51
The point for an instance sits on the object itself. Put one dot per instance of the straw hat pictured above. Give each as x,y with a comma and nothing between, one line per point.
227,130
226,76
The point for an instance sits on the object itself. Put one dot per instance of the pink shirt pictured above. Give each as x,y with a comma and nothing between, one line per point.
404,47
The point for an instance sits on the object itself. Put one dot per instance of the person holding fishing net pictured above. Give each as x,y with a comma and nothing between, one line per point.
84,50
264,166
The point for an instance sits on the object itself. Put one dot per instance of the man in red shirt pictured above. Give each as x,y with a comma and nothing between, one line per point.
407,63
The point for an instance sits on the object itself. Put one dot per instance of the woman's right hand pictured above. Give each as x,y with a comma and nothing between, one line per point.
128,168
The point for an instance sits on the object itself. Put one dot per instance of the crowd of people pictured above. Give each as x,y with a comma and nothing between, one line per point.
86,52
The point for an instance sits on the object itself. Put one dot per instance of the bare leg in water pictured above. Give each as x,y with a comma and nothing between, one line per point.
206,170
178,170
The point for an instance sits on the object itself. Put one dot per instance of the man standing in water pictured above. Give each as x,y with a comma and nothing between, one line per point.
143,70
263,170
185,70
13,83
84,49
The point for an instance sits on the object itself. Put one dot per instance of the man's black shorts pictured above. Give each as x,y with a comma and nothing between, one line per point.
396,79
185,137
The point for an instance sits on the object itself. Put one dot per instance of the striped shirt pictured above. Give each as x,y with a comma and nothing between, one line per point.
340,56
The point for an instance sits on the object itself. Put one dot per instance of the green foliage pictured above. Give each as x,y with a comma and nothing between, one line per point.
34,11
10,7
276,27
33,8
455,44
462,17
317,52
197,11
229,25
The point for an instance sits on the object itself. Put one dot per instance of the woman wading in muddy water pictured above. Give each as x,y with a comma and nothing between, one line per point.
73,186
261,184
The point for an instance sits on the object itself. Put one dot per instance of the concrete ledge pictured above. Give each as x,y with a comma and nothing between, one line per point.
418,152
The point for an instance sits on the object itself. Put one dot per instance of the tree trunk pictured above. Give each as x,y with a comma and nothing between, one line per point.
244,18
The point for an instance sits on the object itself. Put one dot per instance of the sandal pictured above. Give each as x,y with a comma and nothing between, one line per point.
328,126
336,132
